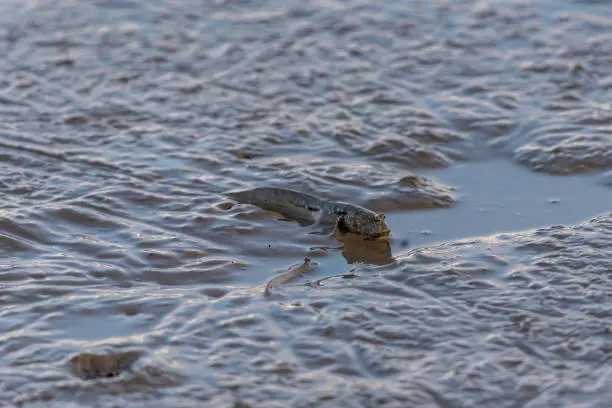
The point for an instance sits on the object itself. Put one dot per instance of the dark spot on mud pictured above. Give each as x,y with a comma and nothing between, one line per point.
410,180
76,120
65,62
240,404
214,292
245,155
228,205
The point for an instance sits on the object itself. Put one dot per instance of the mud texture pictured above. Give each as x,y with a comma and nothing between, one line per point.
129,278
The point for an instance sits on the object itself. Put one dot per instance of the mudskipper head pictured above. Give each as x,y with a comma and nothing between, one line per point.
369,225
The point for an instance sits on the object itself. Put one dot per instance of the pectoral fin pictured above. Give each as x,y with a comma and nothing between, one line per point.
322,227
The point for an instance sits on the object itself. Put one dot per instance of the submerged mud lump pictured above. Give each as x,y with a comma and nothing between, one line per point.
90,366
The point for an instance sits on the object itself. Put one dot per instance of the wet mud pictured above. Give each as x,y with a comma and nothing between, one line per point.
129,276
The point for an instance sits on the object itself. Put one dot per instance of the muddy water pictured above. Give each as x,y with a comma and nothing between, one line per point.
481,128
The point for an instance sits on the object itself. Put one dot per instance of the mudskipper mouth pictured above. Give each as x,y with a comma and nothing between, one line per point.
384,235
378,235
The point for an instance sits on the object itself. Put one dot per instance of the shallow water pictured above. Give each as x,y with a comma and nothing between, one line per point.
499,196
480,128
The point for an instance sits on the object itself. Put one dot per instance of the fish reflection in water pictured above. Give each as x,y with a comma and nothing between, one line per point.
357,249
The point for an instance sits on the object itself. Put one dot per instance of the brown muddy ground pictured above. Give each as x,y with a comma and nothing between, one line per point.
481,128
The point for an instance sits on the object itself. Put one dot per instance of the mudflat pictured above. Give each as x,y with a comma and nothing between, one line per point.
481,129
